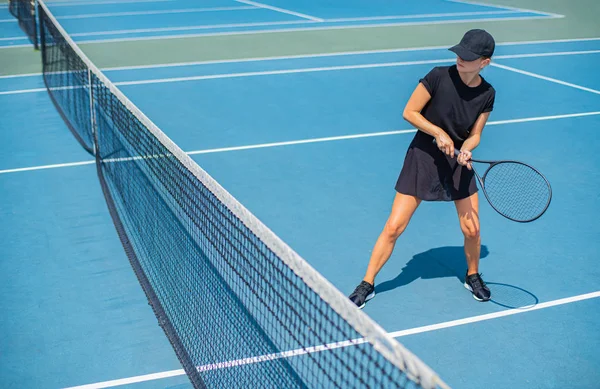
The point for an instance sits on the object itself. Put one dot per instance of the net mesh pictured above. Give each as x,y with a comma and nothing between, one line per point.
240,308
24,11
517,191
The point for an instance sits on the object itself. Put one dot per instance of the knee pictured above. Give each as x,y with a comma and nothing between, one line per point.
471,232
393,229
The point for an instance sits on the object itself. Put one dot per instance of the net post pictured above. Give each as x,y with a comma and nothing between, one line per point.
92,115
34,32
42,35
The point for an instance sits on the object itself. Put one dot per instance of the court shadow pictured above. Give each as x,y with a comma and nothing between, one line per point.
450,262
439,262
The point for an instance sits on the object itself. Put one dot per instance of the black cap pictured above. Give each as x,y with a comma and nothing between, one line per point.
475,44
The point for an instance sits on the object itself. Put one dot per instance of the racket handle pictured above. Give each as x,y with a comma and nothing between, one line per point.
456,151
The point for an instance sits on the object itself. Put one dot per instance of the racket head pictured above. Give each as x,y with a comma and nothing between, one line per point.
517,191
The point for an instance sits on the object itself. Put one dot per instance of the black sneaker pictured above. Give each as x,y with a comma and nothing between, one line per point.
475,284
363,293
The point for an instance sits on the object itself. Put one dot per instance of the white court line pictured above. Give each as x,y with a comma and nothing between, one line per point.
313,140
281,10
504,7
265,24
44,167
348,343
16,46
549,54
495,315
21,91
306,70
283,71
14,38
419,16
157,12
336,54
361,19
300,142
13,20
377,134
554,80
21,75
188,28
72,3
343,67
542,118
363,52
259,24
315,27
333,68
131,380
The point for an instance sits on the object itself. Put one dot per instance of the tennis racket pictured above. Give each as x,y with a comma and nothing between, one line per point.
514,189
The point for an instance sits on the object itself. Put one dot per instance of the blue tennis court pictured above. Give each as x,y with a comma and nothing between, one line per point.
312,145
102,21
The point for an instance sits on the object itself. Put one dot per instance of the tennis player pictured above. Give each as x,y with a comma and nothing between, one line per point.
450,105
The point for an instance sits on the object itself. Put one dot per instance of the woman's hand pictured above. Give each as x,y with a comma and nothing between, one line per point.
445,144
464,158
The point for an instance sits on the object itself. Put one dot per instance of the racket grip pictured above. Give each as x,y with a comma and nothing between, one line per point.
456,151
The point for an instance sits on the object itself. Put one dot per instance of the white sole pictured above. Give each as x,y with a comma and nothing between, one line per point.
369,297
472,294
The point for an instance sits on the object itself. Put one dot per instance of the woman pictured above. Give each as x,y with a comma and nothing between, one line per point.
449,107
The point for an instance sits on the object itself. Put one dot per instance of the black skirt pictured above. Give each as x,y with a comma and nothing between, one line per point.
431,175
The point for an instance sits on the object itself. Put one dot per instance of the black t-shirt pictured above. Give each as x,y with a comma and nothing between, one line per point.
454,106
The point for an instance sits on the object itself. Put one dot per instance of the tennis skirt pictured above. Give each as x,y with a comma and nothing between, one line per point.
431,175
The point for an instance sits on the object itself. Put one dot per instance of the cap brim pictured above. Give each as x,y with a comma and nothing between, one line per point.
464,53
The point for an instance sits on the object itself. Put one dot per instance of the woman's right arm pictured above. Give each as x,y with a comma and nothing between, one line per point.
412,114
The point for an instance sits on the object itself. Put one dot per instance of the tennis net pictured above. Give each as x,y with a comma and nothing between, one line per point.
24,11
240,307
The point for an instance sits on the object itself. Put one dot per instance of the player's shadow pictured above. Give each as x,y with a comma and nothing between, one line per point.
450,262
435,263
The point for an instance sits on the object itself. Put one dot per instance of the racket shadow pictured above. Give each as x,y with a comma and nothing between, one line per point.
510,296
450,261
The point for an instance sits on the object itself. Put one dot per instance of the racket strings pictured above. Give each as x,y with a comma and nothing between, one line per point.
517,191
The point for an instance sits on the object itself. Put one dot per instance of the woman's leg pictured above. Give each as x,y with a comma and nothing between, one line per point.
468,216
403,208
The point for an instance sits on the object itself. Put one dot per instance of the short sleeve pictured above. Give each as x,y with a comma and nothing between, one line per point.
432,80
489,106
